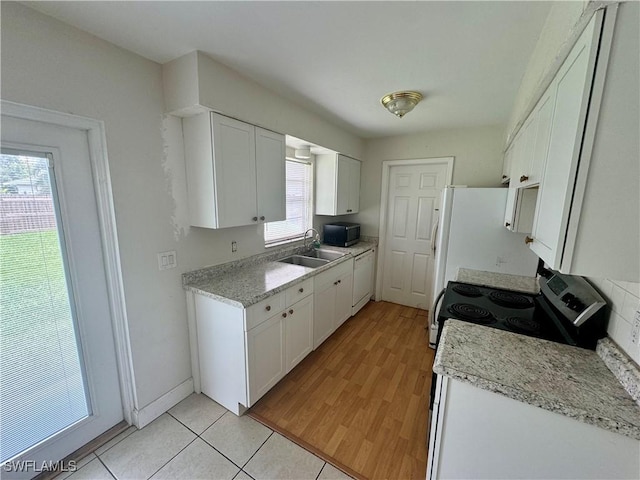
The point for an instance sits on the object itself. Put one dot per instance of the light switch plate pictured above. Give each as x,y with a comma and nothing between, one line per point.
167,260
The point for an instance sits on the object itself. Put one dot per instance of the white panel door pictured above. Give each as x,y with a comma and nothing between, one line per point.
59,377
270,175
235,171
412,208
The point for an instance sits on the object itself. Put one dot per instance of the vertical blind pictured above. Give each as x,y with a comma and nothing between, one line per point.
299,205
42,387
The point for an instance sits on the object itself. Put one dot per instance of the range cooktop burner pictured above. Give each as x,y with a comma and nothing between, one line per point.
467,290
510,299
471,313
523,325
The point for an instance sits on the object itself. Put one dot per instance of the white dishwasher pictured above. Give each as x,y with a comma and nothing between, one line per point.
362,280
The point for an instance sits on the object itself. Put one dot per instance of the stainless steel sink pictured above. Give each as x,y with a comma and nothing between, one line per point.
305,261
325,254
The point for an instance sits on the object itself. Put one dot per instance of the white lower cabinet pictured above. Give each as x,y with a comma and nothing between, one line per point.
238,354
333,300
480,434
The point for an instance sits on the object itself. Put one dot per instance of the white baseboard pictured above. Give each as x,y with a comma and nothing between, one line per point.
148,414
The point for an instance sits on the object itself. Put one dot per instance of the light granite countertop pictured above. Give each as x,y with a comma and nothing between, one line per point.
505,281
560,378
248,281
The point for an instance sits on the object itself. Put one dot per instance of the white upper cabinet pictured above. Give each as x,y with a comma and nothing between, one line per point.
572,85
337,185
587,216
235,172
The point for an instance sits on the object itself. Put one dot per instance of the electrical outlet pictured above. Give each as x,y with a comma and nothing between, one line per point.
167,260
635,329
234,246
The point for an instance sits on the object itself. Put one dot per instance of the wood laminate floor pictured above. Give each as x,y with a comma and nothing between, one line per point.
361,400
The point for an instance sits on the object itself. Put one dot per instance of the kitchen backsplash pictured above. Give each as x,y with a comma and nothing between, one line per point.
624,300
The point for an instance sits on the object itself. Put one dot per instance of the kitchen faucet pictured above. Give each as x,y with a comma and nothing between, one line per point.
315,243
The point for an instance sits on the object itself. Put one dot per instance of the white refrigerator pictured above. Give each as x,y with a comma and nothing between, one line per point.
471,234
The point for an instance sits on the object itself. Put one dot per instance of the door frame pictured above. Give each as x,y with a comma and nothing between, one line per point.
384,194
97,141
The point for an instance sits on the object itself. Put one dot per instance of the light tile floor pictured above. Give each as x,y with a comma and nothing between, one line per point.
199,439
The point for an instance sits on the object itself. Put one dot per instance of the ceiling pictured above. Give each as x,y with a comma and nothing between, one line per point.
339,58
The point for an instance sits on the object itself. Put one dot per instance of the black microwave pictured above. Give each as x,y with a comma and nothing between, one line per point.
341,234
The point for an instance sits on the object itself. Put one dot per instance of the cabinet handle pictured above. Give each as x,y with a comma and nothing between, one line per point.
291,312
528,240
524,178
339,281
507,224
504,176
255,219
349,210
262,217
268,308
301,290
335,283
284,315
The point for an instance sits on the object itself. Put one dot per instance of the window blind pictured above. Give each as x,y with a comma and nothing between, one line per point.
42,384
299,206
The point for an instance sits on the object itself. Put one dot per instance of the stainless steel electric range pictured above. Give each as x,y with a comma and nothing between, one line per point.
568,310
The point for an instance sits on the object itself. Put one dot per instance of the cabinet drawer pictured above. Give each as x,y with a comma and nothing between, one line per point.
335,272
258,313
299,291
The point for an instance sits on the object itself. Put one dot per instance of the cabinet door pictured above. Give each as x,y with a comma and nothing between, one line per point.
510,207
526,155
298,332
324,311
344,298
354,186
343,184
234,171
544,113
567,128
270,169
265,357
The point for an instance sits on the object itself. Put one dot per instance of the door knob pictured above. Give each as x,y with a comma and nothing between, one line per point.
528,240
255,219
262,217
284,315
301,290
268,308
291,312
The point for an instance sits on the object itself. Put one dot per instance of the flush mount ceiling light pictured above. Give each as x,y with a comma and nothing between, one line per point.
303,153
401,103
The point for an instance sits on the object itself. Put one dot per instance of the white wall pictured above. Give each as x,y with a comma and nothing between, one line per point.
478,162
624,301
196,79
49,64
